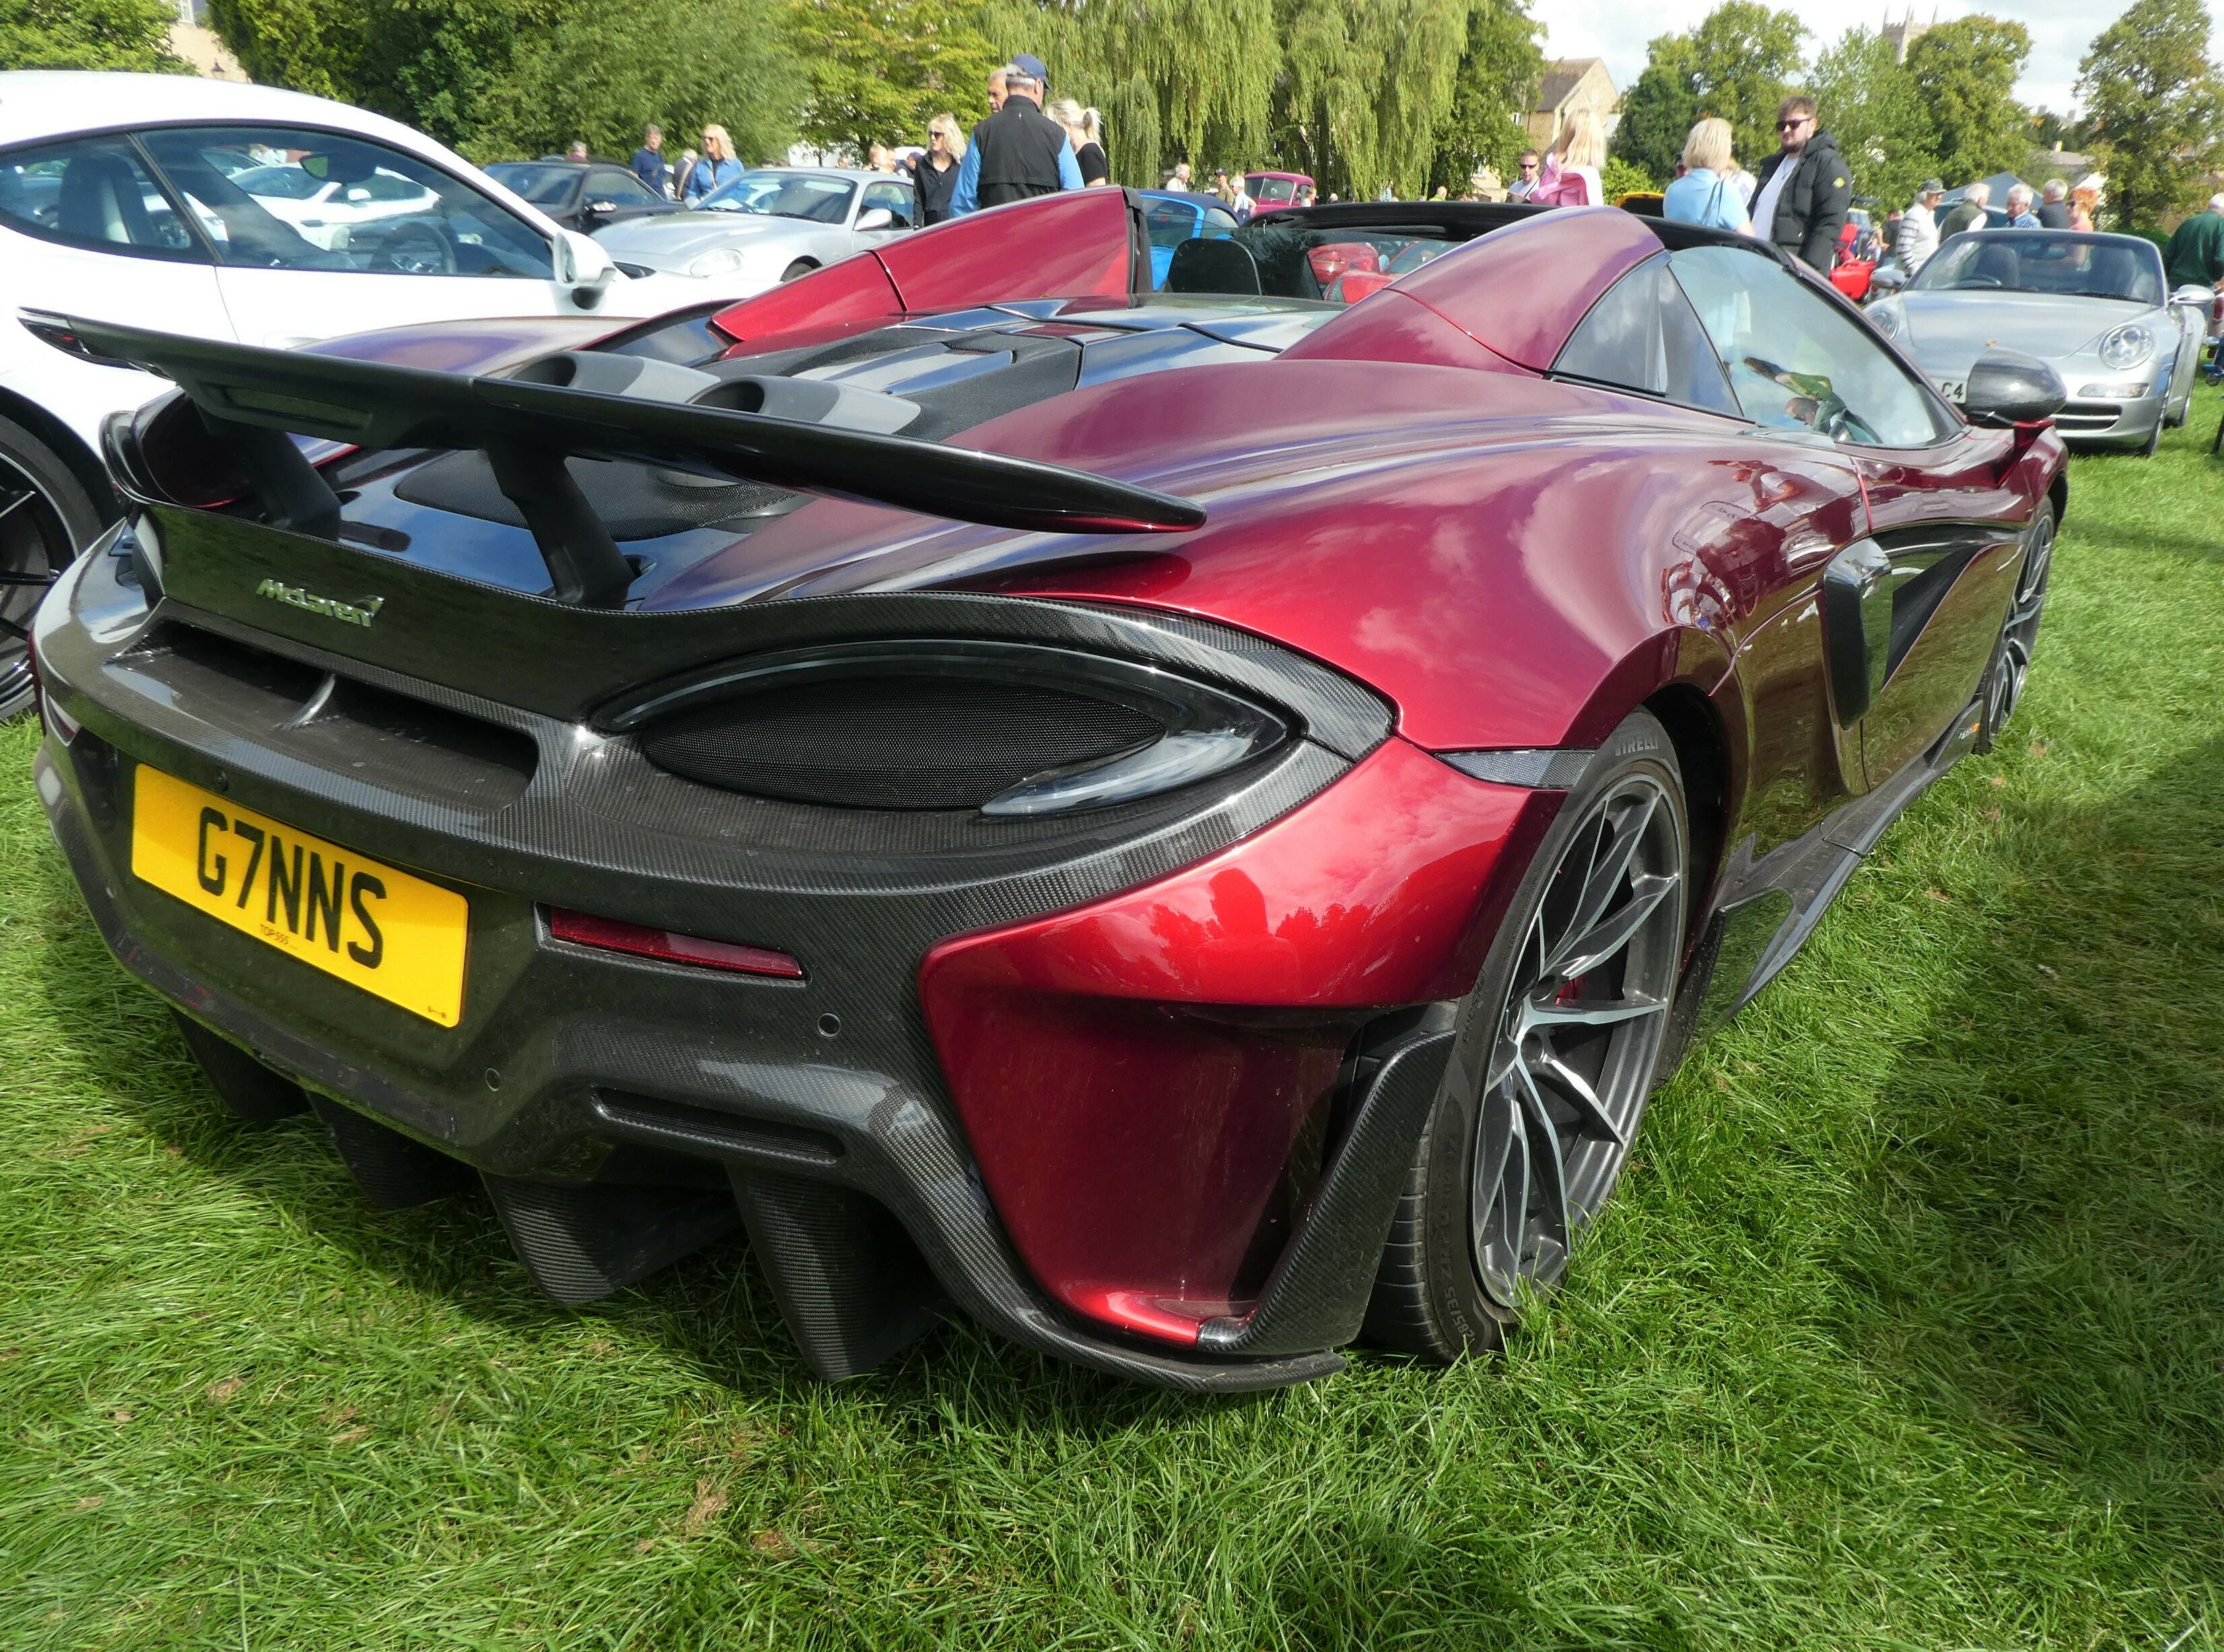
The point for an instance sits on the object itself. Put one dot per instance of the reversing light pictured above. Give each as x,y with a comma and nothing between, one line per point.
639,940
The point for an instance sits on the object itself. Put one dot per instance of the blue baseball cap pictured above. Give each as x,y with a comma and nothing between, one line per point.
1032,67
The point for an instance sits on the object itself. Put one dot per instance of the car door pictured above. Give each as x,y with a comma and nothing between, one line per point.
87,229
451,251
1912,609
613,195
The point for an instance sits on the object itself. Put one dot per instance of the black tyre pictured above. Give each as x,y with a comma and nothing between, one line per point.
2154,441
251,1091
46,518
798,270
1555,1055
2011,668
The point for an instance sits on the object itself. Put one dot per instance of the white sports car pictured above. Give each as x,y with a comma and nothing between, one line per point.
235,213
770,225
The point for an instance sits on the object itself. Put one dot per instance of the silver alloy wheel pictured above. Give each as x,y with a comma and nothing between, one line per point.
2020,637
1578,1036
35,546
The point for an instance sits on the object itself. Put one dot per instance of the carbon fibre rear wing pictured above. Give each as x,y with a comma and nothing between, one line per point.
253,401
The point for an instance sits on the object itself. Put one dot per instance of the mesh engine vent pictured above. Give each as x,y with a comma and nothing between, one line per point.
893,741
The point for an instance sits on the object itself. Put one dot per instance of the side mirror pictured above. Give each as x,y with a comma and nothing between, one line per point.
877,218
1886,280
602,207
2194,297
583,265
2006,388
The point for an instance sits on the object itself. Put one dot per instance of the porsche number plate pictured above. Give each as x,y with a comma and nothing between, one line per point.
376,928
1955,390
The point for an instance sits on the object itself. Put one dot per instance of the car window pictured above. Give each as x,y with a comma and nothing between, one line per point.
96,194
607,183
898,198
1170,223
1642,336
390,214
1796,361
285,182
543,186
1265,189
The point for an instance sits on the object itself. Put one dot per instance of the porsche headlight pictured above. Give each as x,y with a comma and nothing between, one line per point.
1887,319
719,261
2127,347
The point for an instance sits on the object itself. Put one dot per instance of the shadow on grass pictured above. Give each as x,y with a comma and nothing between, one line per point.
2045,1267
714,1310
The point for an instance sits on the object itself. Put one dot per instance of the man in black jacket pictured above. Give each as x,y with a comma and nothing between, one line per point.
1800,200
1019,152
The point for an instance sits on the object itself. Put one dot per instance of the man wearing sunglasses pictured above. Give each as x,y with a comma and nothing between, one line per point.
1525,179
1804,188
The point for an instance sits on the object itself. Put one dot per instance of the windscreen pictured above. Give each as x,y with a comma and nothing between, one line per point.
813,197
2033,261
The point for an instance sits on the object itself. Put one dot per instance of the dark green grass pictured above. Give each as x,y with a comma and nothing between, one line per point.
1906,1330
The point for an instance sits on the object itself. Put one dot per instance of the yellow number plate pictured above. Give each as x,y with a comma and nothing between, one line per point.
386,932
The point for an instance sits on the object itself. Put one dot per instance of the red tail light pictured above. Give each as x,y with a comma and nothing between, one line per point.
609,934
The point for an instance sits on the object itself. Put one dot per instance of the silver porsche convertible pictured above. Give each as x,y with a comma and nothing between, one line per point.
2096,307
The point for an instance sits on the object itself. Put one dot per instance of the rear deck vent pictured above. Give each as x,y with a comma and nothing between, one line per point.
893,741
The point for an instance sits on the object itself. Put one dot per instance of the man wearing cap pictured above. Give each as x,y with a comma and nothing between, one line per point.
1918,229
1019,152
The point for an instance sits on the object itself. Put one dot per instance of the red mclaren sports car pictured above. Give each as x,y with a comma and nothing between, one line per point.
1180,825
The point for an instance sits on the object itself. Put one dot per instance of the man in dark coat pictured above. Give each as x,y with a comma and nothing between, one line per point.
1804,190
2195,257
2054,204
647,161
1019,152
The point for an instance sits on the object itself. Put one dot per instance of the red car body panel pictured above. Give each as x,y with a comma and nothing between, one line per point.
1261,208
1146,1080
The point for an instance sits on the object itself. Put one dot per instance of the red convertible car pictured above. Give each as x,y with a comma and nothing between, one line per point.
1182,827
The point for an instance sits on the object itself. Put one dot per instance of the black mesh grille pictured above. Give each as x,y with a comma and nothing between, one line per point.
893,741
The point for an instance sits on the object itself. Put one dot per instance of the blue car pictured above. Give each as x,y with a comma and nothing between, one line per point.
1173,215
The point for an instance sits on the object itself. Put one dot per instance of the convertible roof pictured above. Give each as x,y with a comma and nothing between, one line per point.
1464,220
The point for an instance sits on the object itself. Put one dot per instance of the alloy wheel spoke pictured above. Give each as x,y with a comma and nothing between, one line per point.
23,498
1619,842
1577,1089
37,581
1501,1196
1613,930
1549,1174
1594,1012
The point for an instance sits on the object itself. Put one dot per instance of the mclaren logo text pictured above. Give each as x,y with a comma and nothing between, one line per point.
360,613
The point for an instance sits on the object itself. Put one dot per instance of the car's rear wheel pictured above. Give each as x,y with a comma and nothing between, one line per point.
45,516
2010,666
1555,1056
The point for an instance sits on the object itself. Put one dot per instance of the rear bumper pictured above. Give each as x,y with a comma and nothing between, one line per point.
1196,1213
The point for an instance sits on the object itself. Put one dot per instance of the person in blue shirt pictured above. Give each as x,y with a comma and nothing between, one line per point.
648,161
1018,152
2020,217
715,169
1704,194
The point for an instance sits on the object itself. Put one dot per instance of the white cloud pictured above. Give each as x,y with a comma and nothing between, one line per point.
1619,30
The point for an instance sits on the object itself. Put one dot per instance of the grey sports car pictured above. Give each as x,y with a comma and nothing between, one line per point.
2096,307
769,226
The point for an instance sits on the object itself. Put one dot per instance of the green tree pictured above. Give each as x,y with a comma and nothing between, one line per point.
1736,65
1497,75
86,34
312,46
2154,104
1871,106
606,69
1966,72
881,69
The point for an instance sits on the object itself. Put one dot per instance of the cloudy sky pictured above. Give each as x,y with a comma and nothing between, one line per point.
1618,30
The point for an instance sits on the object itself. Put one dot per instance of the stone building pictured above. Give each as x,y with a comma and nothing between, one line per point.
1569,83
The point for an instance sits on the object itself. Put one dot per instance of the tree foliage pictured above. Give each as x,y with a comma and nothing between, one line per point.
2154,104
881,69
1481,124
1966,73
86,34
1736,65
497,78
1874,108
